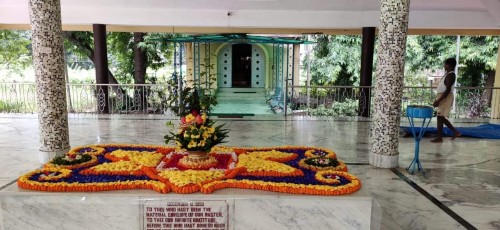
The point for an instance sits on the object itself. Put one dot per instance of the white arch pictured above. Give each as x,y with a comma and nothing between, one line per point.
266,59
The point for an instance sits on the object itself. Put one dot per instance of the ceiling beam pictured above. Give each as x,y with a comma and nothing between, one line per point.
493,7
304,20
214,30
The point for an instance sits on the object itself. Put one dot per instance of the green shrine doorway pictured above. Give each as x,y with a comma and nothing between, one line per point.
241,66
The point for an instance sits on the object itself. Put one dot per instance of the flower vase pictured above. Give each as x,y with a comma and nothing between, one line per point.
198,156
198,160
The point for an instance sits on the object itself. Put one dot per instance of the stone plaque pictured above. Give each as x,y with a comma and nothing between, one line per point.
192,214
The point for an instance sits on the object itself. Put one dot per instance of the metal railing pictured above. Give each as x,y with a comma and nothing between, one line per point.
17,98
121,99
470,102
329,100
322,101
90,98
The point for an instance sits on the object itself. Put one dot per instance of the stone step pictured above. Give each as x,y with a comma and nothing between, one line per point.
241,101
257,101
241,95
258,90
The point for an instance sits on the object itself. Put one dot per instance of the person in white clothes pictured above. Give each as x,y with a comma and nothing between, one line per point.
444,100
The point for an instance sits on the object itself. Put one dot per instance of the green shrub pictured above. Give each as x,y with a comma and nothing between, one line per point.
348,108
9,107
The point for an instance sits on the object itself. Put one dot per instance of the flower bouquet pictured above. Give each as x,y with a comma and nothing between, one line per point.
196,133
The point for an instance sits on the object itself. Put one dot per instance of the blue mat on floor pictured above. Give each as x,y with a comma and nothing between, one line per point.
488,131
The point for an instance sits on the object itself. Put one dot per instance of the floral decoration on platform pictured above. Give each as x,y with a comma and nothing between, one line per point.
73,161
118,167
319,153
52,174
322,163
330,176
196,133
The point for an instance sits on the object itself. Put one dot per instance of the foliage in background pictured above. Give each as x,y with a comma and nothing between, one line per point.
80,45
478,55
15,51
477,63
121,53
338,109
418,79
335,60
121,56
192,96
11,107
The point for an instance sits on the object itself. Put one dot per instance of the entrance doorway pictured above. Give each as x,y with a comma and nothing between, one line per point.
242,66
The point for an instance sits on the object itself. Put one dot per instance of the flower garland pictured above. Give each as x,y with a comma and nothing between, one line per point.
146,158
91,187
188,181
319,152
114,168
322,163
353,186
273,155
52,174
91,162
329,176
88,149
120,166
258,167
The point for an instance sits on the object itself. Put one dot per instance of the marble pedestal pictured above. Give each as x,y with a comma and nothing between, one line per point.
237,209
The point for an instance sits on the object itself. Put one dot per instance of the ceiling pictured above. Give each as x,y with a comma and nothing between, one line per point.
261,14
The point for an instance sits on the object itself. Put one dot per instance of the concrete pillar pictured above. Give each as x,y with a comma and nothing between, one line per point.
389,86
101,67
367,48
495,100
48,62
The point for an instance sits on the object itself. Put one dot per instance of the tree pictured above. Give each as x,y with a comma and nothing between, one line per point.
133,53
15,50
477,60
140,59
81,43
478,55
129,55
336,60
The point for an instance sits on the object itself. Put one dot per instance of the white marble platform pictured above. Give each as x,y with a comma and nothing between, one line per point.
24,209
463,174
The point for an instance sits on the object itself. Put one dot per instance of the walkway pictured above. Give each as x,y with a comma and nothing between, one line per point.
461,187
237,102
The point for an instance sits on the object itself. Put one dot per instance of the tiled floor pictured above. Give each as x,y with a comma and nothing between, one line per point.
461,187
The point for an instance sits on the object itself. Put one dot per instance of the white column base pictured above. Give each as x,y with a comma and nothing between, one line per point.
46,156
384,161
